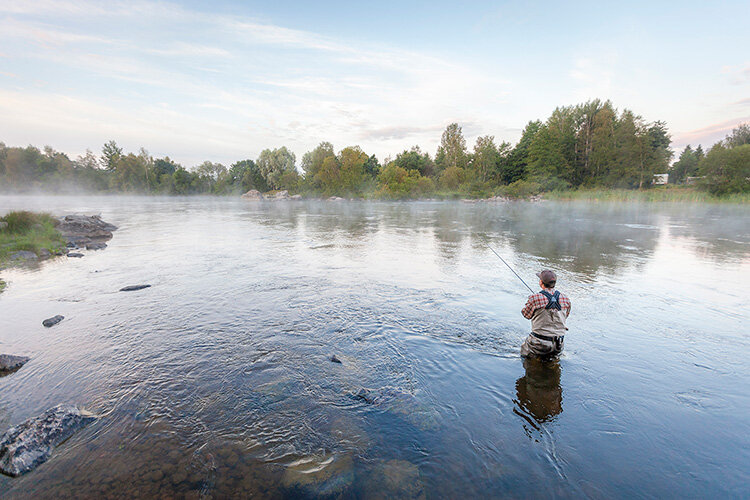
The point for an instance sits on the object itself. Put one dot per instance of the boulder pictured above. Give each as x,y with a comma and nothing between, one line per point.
44,253
75,254
282,195
23,255
295,197
253,195
10,363
53,320
400,403
81,230
132,288
335,198
96,245
29,444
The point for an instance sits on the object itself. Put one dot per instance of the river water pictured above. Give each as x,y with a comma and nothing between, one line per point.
217,380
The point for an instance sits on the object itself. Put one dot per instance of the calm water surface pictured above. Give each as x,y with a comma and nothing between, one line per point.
216,381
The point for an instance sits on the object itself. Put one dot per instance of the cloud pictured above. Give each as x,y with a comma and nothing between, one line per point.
710,134
225,85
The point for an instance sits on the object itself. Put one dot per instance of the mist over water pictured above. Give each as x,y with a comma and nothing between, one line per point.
216,381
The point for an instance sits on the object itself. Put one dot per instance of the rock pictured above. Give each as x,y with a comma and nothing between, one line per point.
132,288
400,403
334,359
11,363
75,254
253,195
282,195
335,198
53,320
96,245
29,444
316,476
395,479
295,197
44,254
23,255
81,230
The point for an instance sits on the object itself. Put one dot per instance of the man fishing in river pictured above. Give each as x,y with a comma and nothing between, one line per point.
547,309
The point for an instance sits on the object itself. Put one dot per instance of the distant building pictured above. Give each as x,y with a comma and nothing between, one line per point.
660,179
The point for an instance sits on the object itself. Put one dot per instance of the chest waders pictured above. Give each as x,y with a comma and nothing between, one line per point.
553,302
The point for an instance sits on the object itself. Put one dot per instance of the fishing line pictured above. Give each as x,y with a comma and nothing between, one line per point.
498,256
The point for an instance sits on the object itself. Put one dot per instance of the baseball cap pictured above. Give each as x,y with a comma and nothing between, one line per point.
548,277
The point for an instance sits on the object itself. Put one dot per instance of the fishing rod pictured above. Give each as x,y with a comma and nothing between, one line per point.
498,256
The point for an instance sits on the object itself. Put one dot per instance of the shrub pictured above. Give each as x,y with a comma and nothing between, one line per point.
22,221
520,189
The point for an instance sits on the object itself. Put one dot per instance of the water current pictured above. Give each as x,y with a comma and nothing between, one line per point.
217,380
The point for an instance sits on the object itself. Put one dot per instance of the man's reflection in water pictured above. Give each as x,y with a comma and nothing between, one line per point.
538,392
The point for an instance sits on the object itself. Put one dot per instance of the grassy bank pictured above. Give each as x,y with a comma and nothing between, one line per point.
655,194
28,231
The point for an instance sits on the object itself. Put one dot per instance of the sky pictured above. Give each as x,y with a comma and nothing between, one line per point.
223,80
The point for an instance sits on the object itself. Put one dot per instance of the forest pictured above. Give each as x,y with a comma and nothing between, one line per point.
586,146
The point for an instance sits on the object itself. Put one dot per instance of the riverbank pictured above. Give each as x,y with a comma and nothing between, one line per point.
675,194
24,233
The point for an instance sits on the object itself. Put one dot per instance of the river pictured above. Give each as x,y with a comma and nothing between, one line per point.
217,380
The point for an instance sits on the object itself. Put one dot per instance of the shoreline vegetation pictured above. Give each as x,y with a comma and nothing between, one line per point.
588,151
23,233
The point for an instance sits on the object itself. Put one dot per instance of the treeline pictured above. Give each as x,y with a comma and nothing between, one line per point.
588,145
725,169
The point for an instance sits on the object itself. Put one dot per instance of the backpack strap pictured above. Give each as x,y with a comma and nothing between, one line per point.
553,301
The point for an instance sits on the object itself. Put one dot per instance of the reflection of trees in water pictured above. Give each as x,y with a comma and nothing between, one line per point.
580,239
538,392
720,232
584,238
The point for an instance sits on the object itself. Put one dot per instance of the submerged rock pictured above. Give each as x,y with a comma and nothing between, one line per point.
132,288
81,230
334,359
11,363
75,254
253,195
316,476
395,479
403,404
29,444
53,320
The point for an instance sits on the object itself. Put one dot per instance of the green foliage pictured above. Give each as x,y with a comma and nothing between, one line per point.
686,166
398,183
22,221
590,145
29,231
452,150
452,177
519,189
273,163
414,159
727,170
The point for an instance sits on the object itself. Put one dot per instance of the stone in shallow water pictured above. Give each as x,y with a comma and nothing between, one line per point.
53,320
10,363
400,403
75,254
132,288
29,444
395,479
317,476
